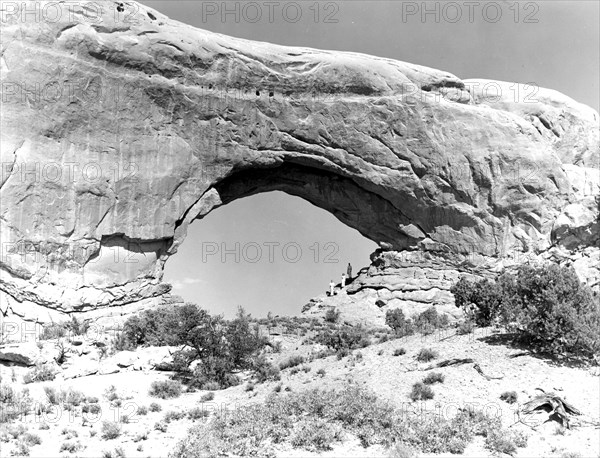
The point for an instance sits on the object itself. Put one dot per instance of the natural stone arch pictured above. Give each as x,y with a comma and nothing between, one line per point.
435,162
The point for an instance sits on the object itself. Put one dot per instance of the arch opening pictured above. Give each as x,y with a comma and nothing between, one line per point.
266,250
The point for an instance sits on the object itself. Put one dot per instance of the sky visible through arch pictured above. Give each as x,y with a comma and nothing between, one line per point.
551,44
267,252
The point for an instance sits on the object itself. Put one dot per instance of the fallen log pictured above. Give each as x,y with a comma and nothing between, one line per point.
450,362
558,409
488,377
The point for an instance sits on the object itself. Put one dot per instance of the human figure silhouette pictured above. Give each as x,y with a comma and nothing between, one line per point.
331,286
349,271
343,280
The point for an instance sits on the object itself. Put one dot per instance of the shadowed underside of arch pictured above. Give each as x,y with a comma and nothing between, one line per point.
371,215
165,122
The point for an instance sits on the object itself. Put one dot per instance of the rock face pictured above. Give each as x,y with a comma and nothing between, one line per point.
120,128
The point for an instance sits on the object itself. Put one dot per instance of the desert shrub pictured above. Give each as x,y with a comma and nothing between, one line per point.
474,422
44,426
173,415
140,436
401,451
255,430
73,397
220,346
509,396
433,377
547,306
161,426
118,452
399,352
430,319
69,397
71,446
207,397
344,338
91,408
53,331
31,439
77,327
520,438
121,342
396,320
315,435
264,370
465,327
551,309
40,373
571,455
421,392
342,353
277,388
197,413
499,441
321,372
111,393
14,403
249,387
52,394
110,430
292,361
15,431
332,315
74,327
484,294
383,338
155,407
426,354
69,433
165,389
142,410
243,342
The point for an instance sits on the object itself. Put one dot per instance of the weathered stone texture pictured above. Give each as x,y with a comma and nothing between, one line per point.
117,135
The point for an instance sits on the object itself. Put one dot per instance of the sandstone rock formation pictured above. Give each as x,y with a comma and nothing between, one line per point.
120,128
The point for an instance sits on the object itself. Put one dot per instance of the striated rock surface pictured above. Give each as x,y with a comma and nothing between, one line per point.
120,128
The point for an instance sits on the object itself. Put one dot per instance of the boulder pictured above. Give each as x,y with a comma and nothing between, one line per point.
26,353
124,358
80,367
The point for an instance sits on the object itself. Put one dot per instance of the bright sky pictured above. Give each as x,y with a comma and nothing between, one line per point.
553,44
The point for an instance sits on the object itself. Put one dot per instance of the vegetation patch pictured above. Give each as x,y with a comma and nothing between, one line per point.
426,354
421,392
40,373
165,389
433,377
546,306
509,396
316,420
